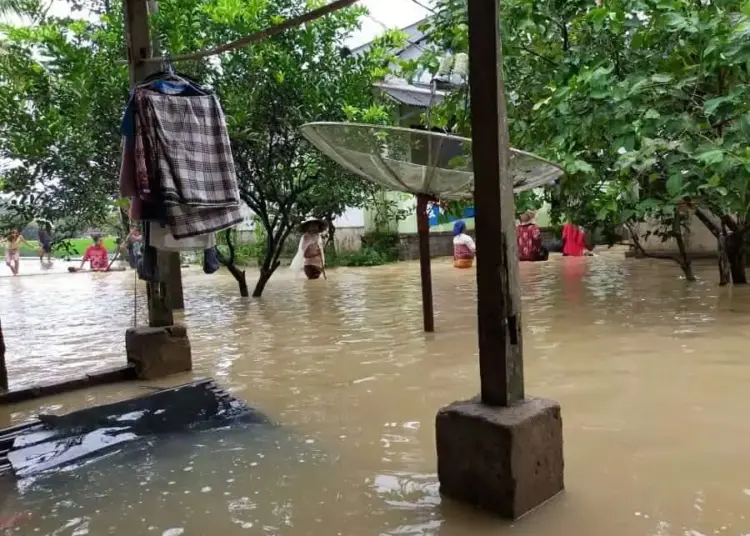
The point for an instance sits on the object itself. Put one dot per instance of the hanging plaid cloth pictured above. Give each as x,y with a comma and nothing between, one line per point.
193,164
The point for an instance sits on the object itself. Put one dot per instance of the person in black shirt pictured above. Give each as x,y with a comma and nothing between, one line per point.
45,241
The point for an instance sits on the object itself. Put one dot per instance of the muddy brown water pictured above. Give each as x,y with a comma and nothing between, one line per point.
652,374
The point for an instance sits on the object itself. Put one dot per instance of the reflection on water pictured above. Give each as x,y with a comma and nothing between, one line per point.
651,373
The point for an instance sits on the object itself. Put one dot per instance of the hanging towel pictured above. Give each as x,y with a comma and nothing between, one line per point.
189,144
162,238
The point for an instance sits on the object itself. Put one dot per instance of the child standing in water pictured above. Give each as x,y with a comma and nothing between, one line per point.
13,250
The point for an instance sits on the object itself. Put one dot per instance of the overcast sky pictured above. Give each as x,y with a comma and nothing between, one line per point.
392,13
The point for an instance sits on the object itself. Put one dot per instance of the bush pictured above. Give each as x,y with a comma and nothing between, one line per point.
377,248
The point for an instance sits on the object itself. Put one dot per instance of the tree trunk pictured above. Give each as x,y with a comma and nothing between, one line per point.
3,369
685,262
260,286
331,239
736,254
239,276
725,275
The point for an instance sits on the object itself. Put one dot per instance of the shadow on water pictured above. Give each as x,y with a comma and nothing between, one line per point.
650,371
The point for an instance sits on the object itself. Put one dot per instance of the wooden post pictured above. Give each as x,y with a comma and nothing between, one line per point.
175,295
3,369
140,47
498,295
423,228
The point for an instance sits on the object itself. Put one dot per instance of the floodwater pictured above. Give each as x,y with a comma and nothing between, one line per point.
652,374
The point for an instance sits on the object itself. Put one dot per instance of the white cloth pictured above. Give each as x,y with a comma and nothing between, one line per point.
465,240
299,262
162,238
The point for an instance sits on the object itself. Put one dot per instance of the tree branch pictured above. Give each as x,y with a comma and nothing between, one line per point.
637,243
540,56
706,220
259,36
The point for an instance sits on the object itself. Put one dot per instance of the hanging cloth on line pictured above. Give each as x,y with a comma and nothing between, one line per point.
189,149
142,205
161,238
177,164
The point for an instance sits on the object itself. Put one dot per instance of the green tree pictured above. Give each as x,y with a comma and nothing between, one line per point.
269,90
63,87
643,101
61,99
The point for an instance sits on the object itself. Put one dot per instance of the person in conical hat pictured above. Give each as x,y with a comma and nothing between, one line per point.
310,257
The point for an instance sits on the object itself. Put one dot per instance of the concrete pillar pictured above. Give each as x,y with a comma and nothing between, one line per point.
158,352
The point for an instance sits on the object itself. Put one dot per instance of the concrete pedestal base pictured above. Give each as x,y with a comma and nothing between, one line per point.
506,460
158,352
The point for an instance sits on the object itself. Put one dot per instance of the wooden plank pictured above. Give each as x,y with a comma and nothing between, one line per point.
498,296
90,380
425,268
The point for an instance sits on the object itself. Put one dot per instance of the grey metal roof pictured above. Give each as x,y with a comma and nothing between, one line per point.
410,95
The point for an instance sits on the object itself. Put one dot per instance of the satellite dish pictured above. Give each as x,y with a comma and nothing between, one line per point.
419,162
430,165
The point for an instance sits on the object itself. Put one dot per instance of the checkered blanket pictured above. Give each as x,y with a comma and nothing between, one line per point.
193,161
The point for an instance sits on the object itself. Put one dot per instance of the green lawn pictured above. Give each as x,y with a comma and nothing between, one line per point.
77,244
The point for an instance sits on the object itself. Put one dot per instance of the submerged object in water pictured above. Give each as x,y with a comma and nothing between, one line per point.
55,441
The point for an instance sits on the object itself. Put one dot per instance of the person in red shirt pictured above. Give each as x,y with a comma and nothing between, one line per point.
574,241
97,255
529,239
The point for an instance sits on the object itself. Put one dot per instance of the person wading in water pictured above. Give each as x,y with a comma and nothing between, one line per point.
45,242
464,248
310,257
529,239
98,255
13,250
133,245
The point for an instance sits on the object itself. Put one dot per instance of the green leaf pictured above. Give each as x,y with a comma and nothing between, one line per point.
661,78
652,114
711,157
710,106
674,184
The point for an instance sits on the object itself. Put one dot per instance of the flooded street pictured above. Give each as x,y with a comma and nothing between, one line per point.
652,375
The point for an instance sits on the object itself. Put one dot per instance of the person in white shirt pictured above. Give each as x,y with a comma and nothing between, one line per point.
464,248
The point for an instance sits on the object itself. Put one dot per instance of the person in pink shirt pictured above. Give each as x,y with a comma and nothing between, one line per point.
97,255
529,239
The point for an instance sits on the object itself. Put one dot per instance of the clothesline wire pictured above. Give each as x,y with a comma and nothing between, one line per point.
258,36
423,6
388,28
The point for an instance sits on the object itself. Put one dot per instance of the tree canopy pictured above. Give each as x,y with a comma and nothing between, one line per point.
63,89
645,103
61,100
269,90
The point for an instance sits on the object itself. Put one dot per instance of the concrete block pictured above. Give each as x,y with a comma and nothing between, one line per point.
158,352
505,460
